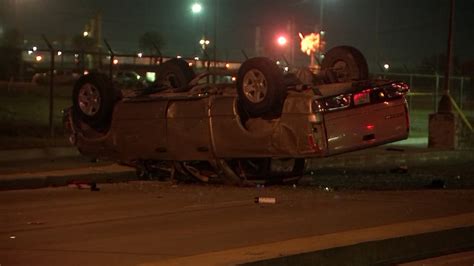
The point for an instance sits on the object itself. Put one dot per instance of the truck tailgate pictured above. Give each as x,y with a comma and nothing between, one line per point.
366,126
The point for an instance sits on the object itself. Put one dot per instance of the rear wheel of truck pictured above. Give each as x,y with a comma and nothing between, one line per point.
93,100
260,87
176,74
344,64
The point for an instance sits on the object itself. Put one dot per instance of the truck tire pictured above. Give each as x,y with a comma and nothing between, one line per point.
176,74
344,64
260,87
93,100
258,171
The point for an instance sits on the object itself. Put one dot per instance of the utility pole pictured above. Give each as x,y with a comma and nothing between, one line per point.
445,105
443,125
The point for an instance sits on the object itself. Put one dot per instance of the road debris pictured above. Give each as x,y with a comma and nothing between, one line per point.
328,189
35,223
437,184
265,200
402,169
83,185
394,149
94,187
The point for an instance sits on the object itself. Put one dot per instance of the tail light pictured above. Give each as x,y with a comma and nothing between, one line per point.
401,87
362,97
332,103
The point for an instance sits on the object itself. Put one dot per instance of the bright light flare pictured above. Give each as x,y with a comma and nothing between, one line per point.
140,55
196,8
282,41
85,33
386,66
116,61
39,58
310,43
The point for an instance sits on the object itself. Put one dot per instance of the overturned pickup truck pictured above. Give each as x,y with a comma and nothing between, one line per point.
260,129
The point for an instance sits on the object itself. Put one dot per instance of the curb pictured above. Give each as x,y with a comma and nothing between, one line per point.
384,252
380,245
100,174
393,156
37,153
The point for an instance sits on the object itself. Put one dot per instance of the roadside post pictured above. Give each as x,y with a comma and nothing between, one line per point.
112,57
443,125
51,85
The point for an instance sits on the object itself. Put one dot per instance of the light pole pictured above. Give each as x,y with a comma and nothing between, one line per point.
445,105
321,30
196,9
321,14
443,125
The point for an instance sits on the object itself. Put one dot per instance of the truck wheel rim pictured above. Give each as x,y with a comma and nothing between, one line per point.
342,71
172,81
89,99
255,86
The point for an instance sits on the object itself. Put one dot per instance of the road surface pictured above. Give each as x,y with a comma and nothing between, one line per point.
156,222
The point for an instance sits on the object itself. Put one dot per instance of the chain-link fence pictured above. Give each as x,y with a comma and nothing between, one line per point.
425,93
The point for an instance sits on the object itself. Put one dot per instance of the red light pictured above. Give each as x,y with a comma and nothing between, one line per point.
362,97
312,143
370,127
282,40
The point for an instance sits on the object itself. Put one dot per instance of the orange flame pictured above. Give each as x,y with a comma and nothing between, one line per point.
309,43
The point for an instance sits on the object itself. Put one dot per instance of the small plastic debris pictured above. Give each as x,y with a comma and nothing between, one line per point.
35,223
394,149
437,184
94,187
83,185
328,189
402,169
265,200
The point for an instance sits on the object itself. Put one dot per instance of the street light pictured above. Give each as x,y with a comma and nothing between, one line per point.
282,41
196,8
204,43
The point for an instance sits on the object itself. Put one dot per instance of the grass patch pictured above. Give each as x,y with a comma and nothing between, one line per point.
24,115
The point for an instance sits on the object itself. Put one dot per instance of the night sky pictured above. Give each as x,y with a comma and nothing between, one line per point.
402,31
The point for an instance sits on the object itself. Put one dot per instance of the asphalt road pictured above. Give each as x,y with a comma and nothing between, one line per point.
150,222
